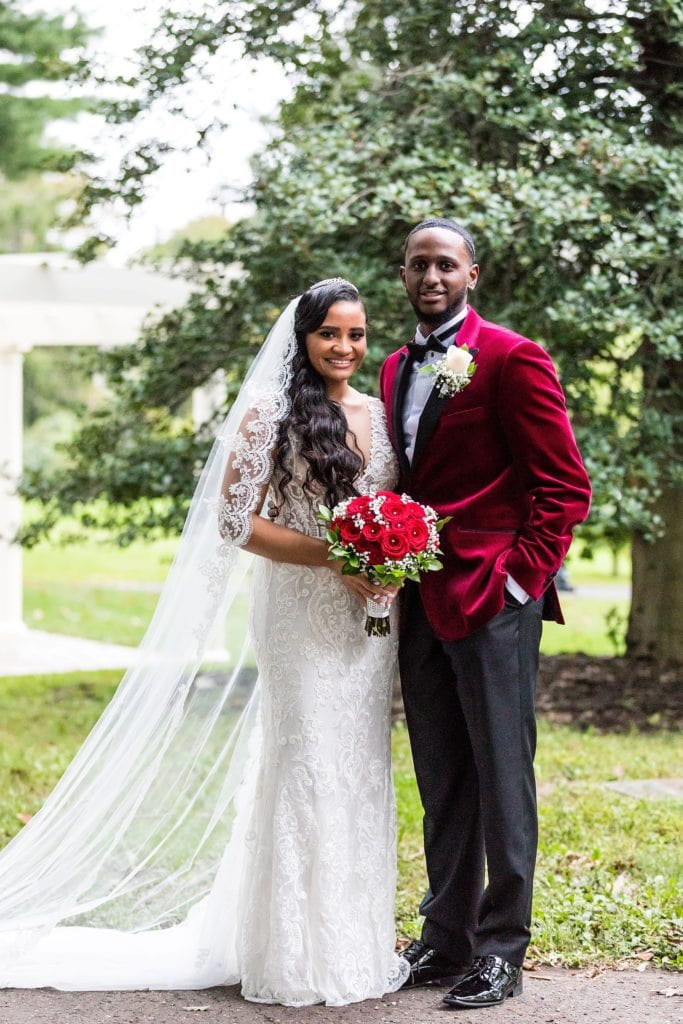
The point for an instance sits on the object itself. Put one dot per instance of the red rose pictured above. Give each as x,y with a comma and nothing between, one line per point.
359,505
372,530
374,552
418,534
395,544
349,532
393,509
398,524
413,508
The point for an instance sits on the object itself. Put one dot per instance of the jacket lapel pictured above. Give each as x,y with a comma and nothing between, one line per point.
399,393
428,423
466,334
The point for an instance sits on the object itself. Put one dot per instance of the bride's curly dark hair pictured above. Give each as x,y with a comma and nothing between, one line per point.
316,427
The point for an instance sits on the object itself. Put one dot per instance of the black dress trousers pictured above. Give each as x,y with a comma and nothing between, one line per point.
470,712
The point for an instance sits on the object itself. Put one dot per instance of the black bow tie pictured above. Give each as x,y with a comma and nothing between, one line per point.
418,352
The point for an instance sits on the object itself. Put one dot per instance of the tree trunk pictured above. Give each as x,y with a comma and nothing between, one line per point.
655,627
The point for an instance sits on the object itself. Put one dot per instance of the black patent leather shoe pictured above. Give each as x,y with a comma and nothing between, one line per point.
427,967
490,981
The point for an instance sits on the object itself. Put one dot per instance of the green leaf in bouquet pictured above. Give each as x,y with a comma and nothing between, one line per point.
325,513
433,565
440,523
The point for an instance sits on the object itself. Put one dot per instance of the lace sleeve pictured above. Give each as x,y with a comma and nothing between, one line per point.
249,467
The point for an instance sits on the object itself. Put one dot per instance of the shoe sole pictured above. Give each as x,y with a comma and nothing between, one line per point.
458,1004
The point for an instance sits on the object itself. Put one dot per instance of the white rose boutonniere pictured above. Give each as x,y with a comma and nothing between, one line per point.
454,372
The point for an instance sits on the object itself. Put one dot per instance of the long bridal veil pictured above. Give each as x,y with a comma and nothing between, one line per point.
128,876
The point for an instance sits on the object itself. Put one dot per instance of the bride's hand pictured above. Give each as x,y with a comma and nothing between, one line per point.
363,589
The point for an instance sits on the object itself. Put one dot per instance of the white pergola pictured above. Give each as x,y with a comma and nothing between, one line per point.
49,299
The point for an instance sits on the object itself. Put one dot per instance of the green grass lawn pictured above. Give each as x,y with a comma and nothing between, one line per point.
608,870
585,630
95,589
587,610
102,592
43,721
607,867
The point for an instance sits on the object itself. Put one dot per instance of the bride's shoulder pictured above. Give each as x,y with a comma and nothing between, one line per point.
376,407
364,401
373,403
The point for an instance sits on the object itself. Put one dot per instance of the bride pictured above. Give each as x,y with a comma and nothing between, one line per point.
204,834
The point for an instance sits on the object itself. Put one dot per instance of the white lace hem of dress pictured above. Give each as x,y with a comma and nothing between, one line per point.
398,975
92,959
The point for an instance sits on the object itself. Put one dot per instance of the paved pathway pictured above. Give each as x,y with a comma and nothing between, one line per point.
613,591
33,652
551,996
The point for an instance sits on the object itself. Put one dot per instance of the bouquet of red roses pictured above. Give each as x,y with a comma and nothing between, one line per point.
386,535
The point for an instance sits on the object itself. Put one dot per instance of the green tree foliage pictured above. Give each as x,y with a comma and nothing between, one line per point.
55,379
204,229
550,128
31,208
36,51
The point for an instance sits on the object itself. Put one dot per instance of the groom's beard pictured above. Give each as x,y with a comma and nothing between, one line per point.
436,319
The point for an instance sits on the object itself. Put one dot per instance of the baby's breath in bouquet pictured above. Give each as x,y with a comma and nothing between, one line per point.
389,537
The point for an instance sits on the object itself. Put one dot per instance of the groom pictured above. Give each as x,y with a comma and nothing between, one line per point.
496,453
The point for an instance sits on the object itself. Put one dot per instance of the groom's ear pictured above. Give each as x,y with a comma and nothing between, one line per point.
402,275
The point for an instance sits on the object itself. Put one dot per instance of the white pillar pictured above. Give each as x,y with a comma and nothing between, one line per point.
11,405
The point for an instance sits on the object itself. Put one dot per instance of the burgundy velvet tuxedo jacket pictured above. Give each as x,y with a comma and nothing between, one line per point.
501,459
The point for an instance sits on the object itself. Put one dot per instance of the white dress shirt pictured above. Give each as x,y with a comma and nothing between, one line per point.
418,391
420,384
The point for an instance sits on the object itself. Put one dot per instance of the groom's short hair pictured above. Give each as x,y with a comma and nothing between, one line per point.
450,225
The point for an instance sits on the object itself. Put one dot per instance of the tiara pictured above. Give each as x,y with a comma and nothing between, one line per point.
332,280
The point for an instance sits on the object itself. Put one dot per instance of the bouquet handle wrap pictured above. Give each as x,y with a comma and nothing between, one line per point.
377,622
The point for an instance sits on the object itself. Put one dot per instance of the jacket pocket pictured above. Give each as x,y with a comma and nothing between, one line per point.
471,414
485,529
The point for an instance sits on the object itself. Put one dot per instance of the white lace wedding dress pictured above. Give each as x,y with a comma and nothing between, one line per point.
319,887
301,908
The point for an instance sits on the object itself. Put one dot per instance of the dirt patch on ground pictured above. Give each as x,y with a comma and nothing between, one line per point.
609,694
606,694
551,996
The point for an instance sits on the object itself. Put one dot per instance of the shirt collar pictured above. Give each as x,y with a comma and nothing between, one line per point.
443,329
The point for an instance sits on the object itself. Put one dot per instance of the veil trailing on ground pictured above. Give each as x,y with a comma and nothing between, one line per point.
127,877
